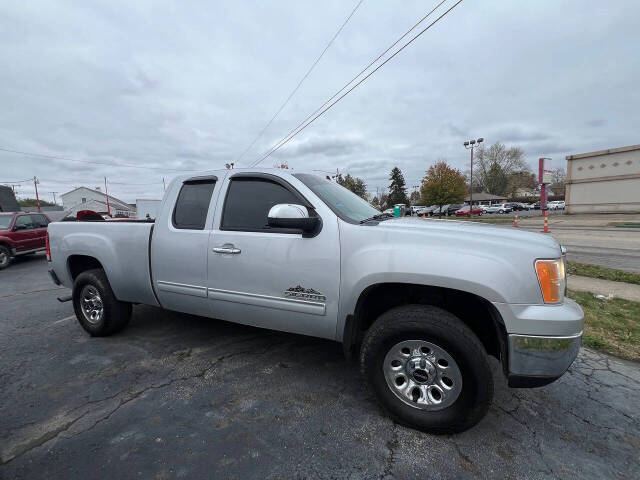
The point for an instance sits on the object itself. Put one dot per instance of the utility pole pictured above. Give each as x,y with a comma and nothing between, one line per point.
164,186
107,194
35,184
470,145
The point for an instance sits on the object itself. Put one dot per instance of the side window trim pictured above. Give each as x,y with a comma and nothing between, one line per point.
265,177
209,179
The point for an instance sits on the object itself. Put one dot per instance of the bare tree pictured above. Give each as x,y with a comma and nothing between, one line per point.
497,159
558,175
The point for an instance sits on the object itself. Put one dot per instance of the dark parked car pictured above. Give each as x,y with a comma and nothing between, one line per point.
451,209
519,206
20,234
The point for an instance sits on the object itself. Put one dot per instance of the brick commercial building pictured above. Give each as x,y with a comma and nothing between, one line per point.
606,181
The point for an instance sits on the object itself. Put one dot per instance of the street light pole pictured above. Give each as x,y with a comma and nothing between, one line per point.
470,145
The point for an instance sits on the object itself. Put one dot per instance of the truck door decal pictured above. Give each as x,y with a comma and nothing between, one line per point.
268,301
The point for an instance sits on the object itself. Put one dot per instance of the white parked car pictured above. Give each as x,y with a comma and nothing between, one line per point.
556,205
497,208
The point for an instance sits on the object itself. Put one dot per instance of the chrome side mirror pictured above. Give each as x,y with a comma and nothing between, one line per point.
288,215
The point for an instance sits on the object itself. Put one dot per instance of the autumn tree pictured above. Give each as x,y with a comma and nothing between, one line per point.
397,188
414,198
443,185
355,184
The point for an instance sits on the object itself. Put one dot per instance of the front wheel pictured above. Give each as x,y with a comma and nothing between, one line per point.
99,312
427,369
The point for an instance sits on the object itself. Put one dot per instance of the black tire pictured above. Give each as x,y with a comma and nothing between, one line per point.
435,325
5,257
115,315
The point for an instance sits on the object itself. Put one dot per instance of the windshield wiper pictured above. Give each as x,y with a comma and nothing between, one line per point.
377,216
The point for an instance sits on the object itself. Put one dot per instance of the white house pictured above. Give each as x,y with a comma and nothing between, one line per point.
83,198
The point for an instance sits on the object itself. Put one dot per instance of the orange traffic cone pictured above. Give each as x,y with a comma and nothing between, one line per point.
515,220
546,222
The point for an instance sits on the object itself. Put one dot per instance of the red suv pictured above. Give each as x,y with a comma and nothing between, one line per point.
21,233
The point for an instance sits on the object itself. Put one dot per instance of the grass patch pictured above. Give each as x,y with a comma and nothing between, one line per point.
624,224
594,271
612,326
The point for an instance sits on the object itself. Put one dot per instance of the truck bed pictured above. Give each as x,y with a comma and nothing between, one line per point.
122,248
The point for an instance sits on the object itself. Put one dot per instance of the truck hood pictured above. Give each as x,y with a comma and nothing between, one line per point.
475,232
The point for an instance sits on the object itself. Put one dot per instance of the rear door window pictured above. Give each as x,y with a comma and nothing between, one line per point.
39,221
192,205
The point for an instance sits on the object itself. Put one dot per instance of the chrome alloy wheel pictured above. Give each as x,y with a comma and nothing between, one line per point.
422,375
91,304
4,258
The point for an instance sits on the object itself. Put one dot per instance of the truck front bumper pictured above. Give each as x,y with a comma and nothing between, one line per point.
542,341
535,361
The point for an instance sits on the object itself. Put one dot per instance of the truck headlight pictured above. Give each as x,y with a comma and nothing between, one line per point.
552,277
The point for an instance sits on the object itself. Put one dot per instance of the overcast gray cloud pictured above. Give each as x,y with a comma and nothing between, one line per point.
188,85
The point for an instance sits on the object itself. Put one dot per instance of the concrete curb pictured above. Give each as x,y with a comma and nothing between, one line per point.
628,291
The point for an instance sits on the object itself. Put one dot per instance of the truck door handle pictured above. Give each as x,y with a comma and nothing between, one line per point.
227,248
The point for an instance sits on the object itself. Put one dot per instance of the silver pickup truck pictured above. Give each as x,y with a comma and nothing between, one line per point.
421,303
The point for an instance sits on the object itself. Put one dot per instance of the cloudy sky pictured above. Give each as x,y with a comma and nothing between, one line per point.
189,85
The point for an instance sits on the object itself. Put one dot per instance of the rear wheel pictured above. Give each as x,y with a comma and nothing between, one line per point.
5,257
427,369
99,312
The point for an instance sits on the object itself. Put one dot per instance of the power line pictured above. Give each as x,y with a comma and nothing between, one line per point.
360,73
21,181
109,164
264,129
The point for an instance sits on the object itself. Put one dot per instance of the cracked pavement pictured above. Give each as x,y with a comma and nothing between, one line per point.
179,396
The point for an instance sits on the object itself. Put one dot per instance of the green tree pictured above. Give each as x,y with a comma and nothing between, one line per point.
32,202
442,185
496,180
508,161
397,188
355,184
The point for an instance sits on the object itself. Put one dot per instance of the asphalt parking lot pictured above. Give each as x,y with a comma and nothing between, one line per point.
178,396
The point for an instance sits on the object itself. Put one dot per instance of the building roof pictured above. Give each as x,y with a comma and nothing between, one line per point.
597,153
112,199
483,196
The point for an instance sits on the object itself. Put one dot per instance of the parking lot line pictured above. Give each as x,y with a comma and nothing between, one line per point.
64,319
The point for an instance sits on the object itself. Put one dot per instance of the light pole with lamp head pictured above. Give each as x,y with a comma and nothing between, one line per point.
470,145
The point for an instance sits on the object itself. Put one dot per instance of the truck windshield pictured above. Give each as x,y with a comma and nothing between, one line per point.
5,221
344,203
